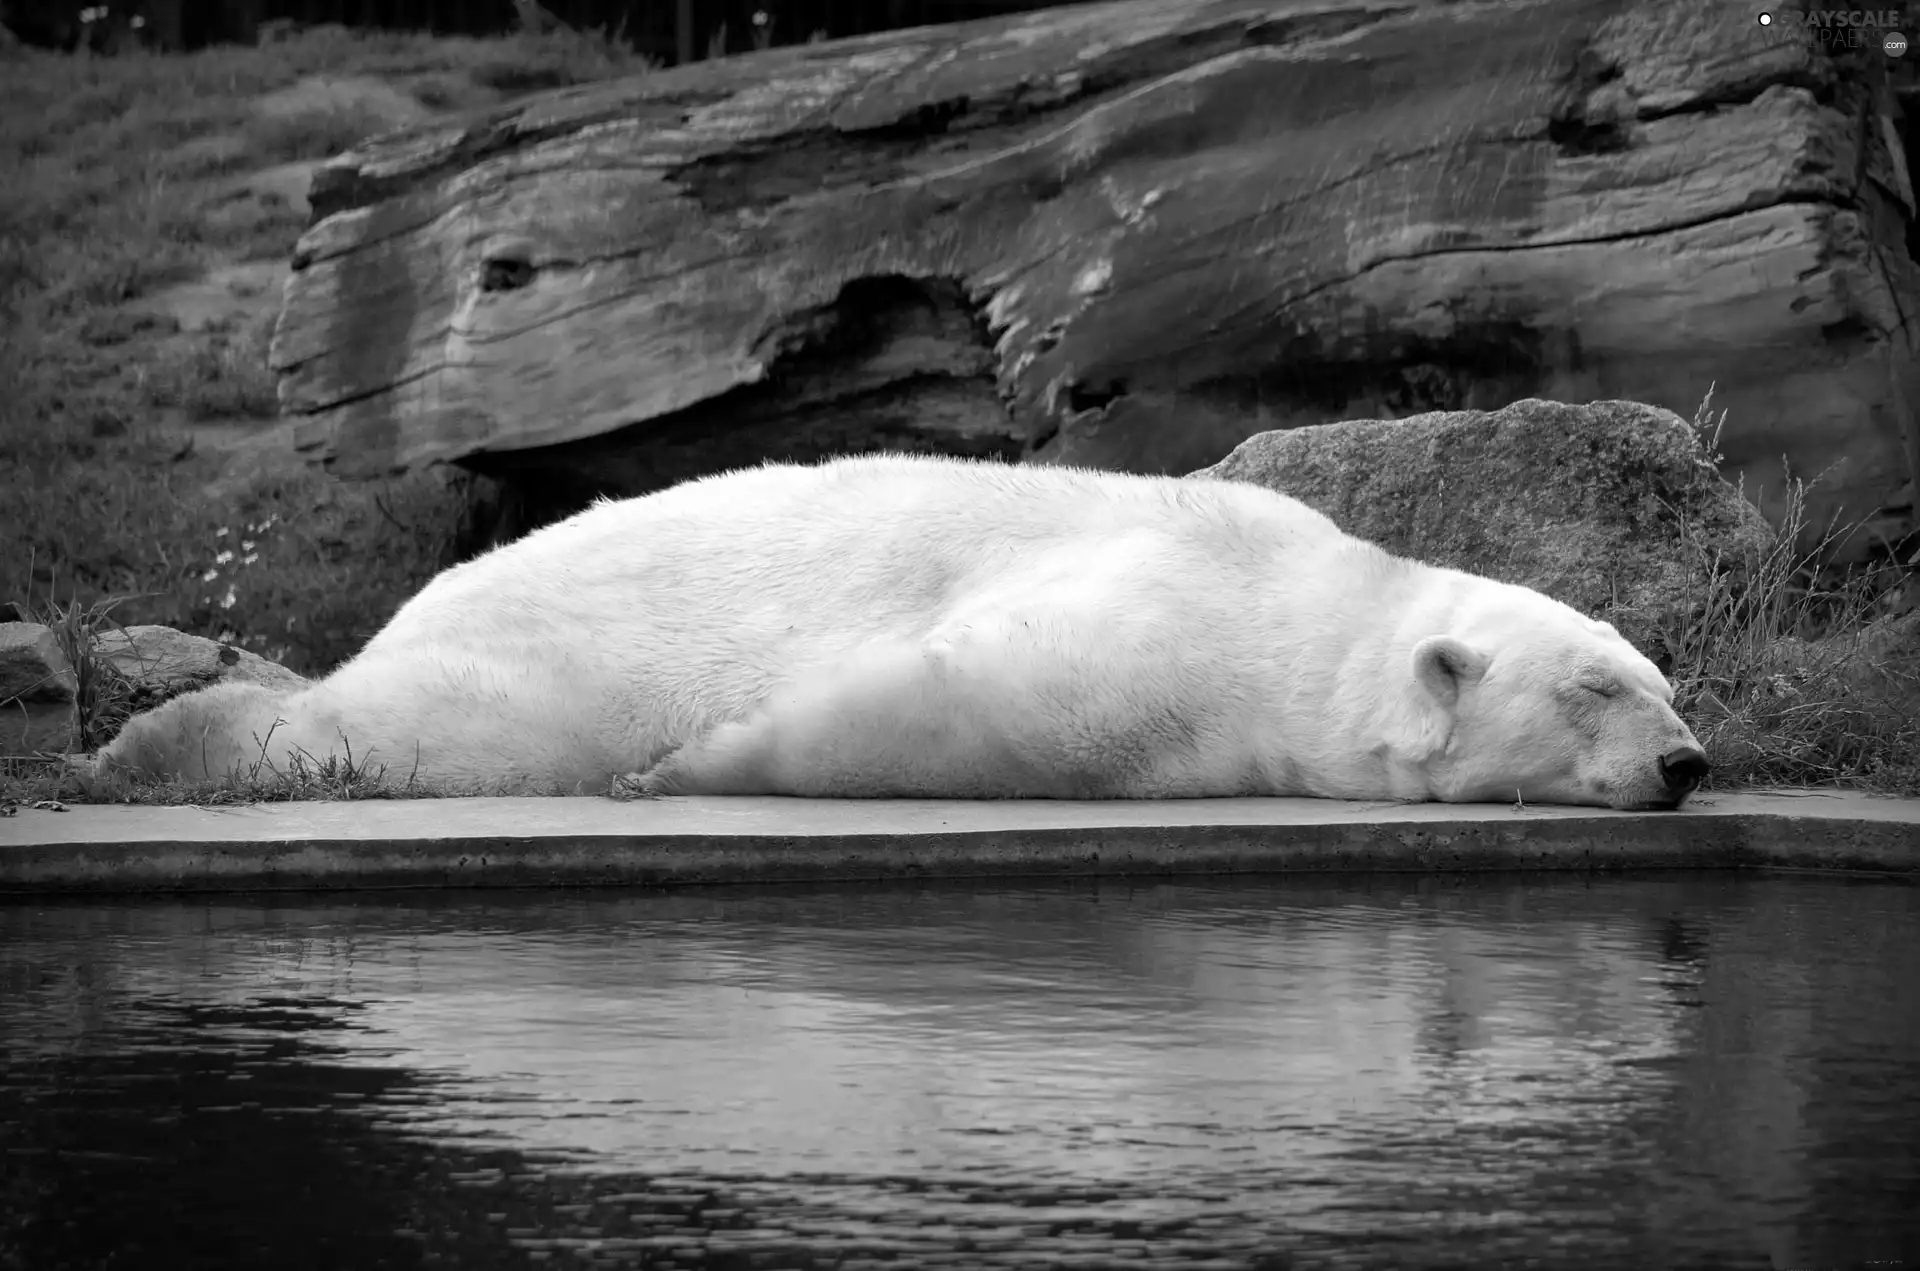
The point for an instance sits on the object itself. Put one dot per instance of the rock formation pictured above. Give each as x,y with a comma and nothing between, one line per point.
1132,235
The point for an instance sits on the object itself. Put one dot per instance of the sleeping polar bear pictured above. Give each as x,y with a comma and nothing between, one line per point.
907,626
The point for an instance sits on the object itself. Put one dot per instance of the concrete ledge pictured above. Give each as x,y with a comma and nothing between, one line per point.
594,841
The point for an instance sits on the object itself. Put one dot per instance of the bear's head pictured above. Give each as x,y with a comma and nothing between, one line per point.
1523,698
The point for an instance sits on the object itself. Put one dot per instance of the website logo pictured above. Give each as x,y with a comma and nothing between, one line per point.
1835,29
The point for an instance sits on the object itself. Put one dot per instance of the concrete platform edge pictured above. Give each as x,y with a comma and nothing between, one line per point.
578,843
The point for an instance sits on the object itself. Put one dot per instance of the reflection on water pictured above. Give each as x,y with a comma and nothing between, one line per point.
1470,1072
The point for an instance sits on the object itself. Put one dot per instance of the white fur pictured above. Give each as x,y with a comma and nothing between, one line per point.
913,626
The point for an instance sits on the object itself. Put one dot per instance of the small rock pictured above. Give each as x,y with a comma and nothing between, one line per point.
32,667
160,662
38,692
1601,506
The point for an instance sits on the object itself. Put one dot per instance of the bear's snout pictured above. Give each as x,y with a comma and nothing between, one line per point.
1684,769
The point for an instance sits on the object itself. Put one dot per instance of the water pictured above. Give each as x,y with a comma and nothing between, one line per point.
1709,1071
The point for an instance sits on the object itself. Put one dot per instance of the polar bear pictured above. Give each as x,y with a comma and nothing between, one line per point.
914,626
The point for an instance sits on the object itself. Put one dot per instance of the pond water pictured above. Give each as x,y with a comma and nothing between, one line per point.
1682,1071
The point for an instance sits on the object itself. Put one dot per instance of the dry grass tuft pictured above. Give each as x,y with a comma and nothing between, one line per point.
1795,674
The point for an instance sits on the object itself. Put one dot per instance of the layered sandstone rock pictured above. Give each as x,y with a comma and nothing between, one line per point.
1132,235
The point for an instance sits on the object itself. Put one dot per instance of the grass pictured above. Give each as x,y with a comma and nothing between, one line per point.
1792,674
301,777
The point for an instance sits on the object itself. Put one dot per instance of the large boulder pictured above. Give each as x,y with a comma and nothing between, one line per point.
1611,507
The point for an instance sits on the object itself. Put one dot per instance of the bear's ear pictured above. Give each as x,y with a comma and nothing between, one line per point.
1442,664
1418,726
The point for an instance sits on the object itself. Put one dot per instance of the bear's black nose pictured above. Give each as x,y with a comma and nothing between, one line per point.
1683,769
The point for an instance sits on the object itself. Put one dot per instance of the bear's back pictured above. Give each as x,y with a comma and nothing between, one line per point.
891,537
